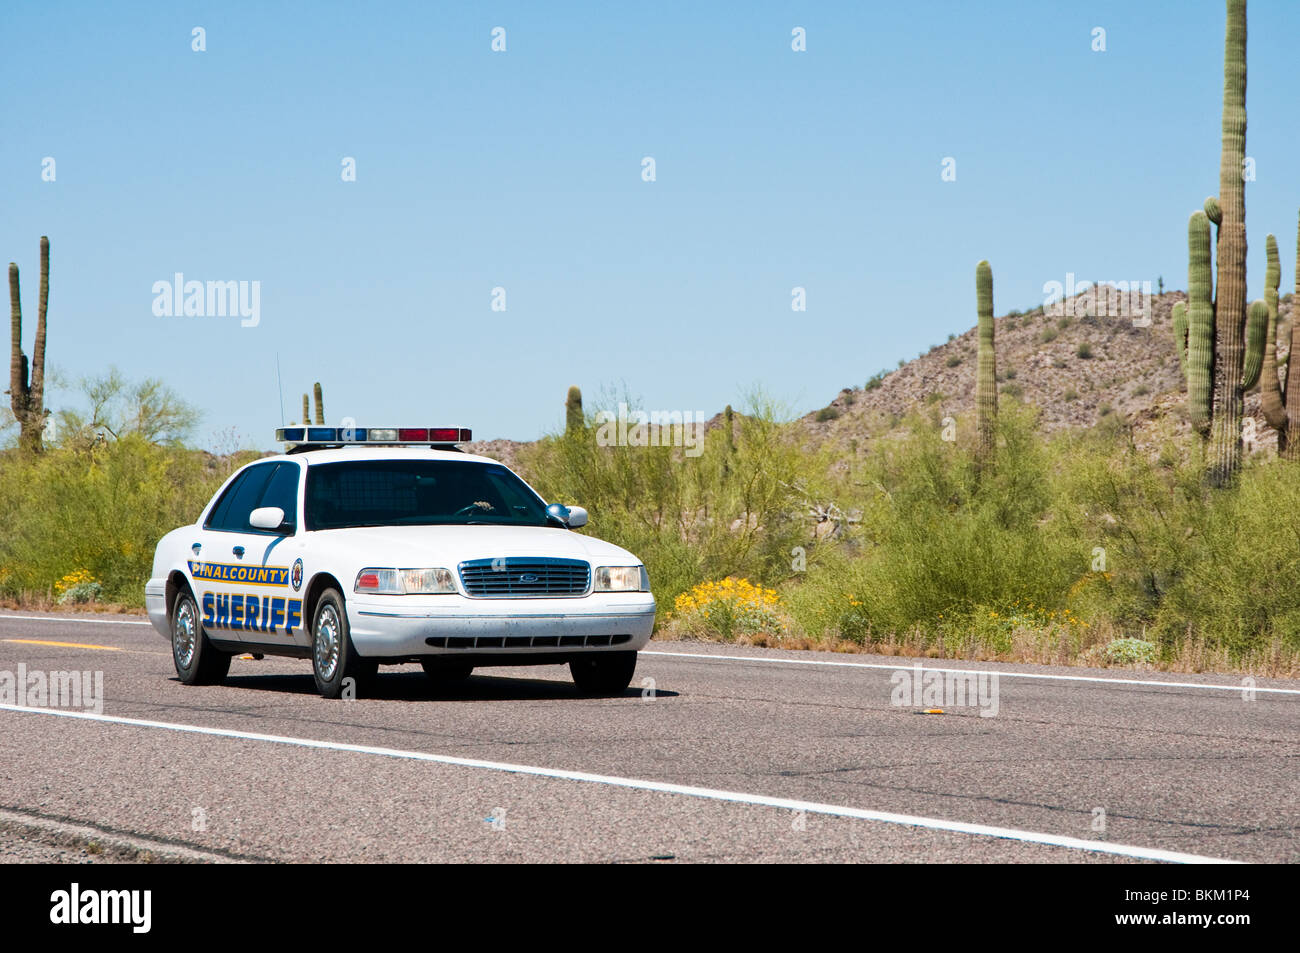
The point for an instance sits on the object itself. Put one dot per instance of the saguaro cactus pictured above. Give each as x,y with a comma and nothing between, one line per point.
1220,349
986,384
574,421
27,392
306,410
320,405
729,438
1230,363
1280,398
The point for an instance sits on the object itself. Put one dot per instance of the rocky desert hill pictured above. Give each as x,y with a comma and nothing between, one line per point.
507,451
1077,369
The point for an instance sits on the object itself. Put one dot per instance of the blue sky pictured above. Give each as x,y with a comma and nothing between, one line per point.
522,170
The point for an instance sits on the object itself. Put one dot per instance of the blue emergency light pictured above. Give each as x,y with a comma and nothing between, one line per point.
334,436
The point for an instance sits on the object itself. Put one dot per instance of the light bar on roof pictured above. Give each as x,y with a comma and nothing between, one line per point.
331,436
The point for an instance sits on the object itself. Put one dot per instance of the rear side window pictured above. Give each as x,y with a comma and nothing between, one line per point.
240,499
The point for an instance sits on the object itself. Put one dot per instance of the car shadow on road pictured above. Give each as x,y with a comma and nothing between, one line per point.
416,686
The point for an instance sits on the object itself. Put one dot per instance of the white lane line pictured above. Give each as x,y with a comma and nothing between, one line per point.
713,794
51,618
973,671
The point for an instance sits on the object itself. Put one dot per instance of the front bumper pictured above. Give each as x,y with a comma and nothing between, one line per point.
449,626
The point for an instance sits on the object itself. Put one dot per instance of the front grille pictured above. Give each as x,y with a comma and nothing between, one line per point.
525,577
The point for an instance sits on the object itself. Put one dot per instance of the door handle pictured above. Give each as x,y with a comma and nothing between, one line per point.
238,551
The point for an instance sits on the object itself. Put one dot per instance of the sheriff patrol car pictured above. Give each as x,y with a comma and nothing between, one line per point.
360,547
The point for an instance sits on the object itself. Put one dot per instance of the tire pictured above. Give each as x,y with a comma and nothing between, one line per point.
446,674
197,661
606,673
334,658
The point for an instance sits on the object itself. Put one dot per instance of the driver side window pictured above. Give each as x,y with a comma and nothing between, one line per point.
282,491
240,499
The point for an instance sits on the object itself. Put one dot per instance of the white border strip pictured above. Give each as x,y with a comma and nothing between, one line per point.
909,663
811,807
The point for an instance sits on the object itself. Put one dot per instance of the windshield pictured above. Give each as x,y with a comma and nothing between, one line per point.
418,493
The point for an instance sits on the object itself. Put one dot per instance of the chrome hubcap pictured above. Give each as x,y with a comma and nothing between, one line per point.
326,640
184,634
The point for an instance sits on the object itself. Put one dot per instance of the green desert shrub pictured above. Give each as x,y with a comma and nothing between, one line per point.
939,539
728,511
101,510
1129,651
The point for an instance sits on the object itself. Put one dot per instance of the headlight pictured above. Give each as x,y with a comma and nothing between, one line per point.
405,582
622,579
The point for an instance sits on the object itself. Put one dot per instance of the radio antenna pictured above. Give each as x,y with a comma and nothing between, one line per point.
279,386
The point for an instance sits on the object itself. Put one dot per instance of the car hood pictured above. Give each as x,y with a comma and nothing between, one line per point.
417,546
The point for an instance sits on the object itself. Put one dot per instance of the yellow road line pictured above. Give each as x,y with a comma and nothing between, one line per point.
66,645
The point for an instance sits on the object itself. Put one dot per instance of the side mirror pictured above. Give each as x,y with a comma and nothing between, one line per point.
267,517
570,516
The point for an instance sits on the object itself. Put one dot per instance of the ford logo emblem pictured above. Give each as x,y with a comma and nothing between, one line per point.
528,577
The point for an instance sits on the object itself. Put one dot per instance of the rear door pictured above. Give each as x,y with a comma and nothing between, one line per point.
241,576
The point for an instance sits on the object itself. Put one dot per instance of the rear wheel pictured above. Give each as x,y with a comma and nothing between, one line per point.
607,673
446,674
334,659
197,661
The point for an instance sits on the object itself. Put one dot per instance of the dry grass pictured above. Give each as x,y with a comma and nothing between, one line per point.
44,601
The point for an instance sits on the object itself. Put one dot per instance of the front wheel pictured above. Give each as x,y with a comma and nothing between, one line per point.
606,673
334,659
197,661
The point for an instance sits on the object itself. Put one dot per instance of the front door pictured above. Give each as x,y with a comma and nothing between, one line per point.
241,575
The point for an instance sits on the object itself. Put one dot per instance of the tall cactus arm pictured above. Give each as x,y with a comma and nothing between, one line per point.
1271,395
17,362
1180,335
306,411
37,395
1200,324
320,404
1256,344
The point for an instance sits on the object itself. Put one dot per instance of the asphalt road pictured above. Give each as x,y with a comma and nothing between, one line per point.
729,754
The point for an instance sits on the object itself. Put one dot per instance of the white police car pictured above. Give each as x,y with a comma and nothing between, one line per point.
368,546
